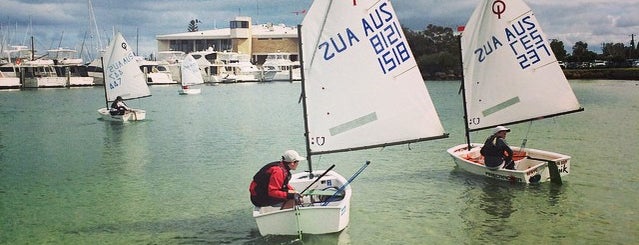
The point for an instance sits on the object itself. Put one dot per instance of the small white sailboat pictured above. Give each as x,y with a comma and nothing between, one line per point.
124,78
361,89
190,75
511,76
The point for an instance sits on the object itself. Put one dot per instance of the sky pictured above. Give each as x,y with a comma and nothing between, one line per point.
67,24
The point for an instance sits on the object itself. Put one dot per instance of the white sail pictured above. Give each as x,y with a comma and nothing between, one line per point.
510,72
190,71
362,85
123,76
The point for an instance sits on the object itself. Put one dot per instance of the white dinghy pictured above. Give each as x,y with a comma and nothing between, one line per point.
510,76
190,75
361,88
122,77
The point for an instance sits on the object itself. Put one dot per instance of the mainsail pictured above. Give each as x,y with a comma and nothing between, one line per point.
190,70
362,86
510,72
122,74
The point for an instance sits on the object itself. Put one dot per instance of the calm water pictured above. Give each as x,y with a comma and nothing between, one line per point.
182,176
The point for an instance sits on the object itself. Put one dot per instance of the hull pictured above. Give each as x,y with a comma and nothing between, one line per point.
190,91
159,78
98,77
311,217
9,82
81,81
45,82
134,115
527,170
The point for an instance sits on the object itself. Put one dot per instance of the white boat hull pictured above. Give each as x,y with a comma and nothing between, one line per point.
309,218
81,81
9,82
133,115
527,170
45,82
159,78
190,91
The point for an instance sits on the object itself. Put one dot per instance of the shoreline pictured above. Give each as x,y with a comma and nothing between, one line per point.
603,73
571,74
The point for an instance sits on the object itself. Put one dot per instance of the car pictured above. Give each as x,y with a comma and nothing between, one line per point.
599,64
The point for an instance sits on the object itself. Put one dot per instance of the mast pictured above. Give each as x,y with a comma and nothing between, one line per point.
462,90
303,99
93,26
106,97
32,49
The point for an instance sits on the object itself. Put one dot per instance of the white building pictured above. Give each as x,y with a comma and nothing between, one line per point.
242,36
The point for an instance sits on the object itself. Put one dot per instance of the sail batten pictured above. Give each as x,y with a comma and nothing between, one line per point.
362,86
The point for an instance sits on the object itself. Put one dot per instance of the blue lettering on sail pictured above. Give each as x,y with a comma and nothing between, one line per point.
526,42
337,44
487,49
115,70
385,37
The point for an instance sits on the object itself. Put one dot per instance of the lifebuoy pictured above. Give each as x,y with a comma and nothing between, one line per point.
18,61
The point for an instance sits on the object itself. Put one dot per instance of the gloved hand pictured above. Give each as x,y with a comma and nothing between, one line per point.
298,199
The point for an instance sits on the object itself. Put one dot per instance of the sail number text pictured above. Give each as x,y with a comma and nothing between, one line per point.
114,70
384,35
524,39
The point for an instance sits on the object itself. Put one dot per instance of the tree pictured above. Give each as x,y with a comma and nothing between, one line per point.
436,50
614,52
193,25
580,52
558,48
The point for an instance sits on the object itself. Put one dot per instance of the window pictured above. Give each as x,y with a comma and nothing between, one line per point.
239,24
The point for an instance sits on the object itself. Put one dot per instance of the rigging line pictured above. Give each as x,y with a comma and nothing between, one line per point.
525,140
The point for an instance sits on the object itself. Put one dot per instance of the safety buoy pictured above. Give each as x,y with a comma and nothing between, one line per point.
18,61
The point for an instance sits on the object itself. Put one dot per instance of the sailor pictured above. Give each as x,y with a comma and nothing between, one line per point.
270,184
118,107
496,151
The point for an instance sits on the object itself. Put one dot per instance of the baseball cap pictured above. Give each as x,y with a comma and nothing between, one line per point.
500,128
291,156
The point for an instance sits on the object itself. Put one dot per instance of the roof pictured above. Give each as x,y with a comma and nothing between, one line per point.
268,30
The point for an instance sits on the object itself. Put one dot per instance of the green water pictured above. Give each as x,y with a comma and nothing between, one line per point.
182,176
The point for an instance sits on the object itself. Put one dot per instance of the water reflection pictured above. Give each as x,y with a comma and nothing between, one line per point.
335,238
126,143
496,201
490,211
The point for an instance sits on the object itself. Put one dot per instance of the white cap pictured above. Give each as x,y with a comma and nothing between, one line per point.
500,128
291,156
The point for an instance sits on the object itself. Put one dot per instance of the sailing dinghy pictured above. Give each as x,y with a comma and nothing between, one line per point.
511,76
191,75
122,77
361,88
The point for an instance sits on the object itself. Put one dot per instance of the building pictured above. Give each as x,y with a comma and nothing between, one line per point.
241,36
